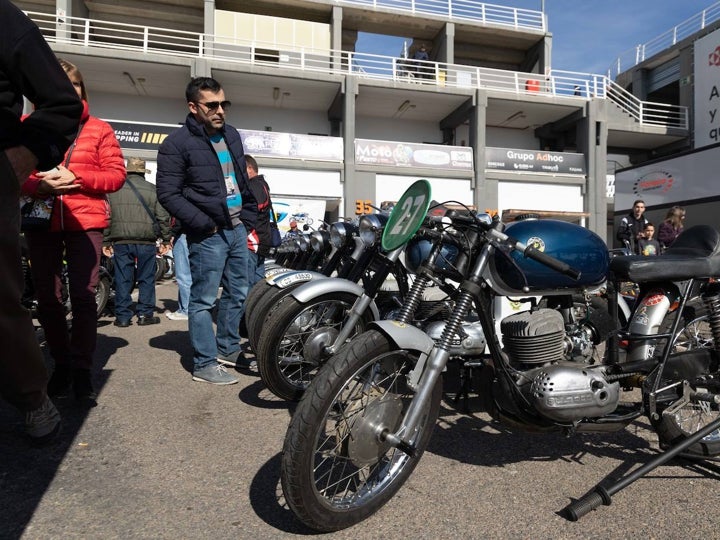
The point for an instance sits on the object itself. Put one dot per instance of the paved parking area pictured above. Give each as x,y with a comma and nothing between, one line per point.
162,456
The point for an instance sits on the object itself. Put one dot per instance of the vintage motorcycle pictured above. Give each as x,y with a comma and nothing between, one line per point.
366,418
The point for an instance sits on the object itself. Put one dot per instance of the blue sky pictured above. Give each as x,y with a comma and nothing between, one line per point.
588,35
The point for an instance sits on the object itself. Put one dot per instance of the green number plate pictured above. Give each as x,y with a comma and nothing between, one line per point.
407,216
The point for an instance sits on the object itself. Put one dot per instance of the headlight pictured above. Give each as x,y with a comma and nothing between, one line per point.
338,234
371,228
303,242
319,240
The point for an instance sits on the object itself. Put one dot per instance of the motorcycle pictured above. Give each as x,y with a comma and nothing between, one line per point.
367,416
346,254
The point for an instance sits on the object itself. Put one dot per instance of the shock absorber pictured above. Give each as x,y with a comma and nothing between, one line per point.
713,305
412,301
453,324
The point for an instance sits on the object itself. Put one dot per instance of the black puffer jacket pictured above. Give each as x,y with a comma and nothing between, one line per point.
130,222
28,66
190,183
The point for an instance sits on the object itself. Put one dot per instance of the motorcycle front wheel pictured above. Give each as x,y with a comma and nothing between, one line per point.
102,295
261,309
337,470
290,345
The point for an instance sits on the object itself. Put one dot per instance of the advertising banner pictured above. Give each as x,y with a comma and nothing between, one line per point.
291,145
707,89
426,156
535,161
685,178
141,136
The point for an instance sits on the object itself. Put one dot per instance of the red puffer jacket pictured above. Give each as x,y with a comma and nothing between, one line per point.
98,164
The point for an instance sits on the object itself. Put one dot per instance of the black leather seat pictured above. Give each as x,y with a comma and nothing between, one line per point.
695,253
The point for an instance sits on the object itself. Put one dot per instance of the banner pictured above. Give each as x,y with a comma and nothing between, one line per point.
707,89
424,156
535,161
291,145
140,136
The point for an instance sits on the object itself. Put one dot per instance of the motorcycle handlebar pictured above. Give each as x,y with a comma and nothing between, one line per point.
551,262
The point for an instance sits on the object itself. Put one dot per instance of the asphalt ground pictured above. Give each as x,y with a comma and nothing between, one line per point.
162,456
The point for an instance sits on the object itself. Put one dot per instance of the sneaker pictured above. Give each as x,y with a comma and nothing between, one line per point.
82,384
237,361
176,316
43,423
60,381
214,374
144,320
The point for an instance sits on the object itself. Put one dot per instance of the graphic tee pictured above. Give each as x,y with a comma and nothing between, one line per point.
233,197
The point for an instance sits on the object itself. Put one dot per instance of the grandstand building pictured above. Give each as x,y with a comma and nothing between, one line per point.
486,119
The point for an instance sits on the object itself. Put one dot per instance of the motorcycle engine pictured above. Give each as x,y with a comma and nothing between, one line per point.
569,392
554,375
470,342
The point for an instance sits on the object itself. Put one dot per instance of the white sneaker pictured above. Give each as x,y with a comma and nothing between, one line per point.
43,423
176,316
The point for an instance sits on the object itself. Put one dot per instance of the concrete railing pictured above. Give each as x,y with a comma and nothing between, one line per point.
147,39
685,29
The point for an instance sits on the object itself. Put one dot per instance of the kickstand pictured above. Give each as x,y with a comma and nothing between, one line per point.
464,391
600,495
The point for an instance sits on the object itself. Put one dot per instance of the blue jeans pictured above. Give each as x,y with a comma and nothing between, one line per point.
219,259
182,272
126,274
256,268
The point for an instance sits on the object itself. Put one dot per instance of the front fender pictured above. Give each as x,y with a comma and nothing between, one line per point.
405,336
319,287
283,279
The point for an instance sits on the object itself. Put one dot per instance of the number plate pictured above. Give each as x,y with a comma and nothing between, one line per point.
407,216
293,278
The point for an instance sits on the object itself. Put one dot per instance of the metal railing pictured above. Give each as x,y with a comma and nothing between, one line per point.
147,39
468,10
685,29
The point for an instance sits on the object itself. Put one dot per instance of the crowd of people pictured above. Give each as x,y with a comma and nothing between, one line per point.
636,233
210,205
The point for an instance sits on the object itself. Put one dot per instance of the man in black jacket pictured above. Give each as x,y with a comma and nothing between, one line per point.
259,238
201,180
138,222
27,67
632,227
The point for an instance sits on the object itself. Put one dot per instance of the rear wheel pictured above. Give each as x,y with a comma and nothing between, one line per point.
102,295
337,468
679,420
290,347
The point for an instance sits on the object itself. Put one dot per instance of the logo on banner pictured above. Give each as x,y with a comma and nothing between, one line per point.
714,59
656,181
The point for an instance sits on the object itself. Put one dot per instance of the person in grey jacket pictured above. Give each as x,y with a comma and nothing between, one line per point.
138,221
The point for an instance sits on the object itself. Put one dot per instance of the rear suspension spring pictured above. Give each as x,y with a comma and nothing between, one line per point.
713,306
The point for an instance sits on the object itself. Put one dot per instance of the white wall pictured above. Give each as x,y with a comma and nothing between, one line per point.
388,129
390,187
549,197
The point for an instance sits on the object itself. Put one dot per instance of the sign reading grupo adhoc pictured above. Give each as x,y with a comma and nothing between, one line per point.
538,161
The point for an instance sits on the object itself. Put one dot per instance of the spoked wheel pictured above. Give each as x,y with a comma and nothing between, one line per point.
264,305
291,345
337,469
679,420
102,295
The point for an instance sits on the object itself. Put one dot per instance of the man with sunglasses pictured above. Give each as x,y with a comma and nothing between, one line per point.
202,181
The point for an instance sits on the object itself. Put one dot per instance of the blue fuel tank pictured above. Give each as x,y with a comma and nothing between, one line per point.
577,246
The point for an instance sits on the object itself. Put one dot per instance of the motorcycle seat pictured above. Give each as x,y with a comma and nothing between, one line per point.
695,254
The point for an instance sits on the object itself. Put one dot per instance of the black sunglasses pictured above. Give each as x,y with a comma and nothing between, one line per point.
213,106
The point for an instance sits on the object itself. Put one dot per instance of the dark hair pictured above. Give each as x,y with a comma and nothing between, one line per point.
251,161
196,85
648,225
638,201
